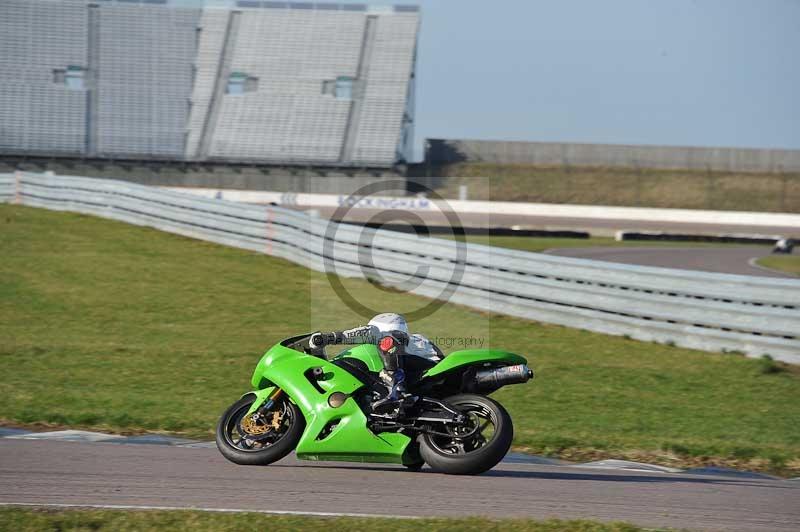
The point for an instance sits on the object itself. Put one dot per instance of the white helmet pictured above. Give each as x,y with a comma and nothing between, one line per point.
389,322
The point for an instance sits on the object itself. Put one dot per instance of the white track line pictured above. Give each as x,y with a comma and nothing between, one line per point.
203,509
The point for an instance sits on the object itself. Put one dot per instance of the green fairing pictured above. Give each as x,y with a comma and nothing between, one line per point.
468,357
366,353
350,439
458,359
261,398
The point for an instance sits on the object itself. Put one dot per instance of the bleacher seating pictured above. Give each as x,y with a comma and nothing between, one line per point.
144,79
386,93
37,39
291,52
275,82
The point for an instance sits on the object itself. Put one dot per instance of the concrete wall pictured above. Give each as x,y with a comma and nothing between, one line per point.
449,151
214,176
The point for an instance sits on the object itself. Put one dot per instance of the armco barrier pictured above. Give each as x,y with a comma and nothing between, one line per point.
712,312
550,210
7,185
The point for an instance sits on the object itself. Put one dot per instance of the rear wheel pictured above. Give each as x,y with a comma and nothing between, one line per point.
262,439
474,447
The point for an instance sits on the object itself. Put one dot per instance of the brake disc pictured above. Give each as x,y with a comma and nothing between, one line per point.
255,426
251,426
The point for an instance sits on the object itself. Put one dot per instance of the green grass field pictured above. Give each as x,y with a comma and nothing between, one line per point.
643,187
37,520
529,243
114,327
784,263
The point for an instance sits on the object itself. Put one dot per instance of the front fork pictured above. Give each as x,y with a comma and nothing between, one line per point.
265,400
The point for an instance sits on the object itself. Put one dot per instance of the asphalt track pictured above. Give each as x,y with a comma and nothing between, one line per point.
598,227
70,473
738,260
726,259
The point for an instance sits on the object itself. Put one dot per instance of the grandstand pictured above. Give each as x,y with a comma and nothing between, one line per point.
287,83
40,112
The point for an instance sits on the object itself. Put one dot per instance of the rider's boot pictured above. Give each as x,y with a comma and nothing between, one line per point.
392,404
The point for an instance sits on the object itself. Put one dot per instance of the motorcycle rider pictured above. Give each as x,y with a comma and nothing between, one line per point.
380,327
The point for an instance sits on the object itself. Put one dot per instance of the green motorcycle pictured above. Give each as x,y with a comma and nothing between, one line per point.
321,409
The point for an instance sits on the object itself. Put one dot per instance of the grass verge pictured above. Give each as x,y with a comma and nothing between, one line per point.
530,243
114,327
36,520
643,187
784,263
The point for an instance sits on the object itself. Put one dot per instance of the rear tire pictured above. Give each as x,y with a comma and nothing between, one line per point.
243,452
464,457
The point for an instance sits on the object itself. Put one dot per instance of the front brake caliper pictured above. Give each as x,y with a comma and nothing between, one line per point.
277,417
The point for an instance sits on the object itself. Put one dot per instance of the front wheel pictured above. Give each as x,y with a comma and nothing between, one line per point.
475,447
262,440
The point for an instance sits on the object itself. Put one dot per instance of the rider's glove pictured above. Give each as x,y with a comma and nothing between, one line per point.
317,340
366,334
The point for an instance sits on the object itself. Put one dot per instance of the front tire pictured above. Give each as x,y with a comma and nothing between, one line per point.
270,444
476,454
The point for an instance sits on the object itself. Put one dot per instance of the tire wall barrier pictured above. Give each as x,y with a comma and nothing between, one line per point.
699,310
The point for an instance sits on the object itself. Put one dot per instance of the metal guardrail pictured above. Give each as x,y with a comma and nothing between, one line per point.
7,186
712,312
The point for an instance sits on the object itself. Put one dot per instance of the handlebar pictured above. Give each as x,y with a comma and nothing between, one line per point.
320,339
366,333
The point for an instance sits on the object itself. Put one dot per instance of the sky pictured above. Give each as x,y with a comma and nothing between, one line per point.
672,72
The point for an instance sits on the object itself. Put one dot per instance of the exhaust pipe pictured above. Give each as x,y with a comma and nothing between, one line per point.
497,377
